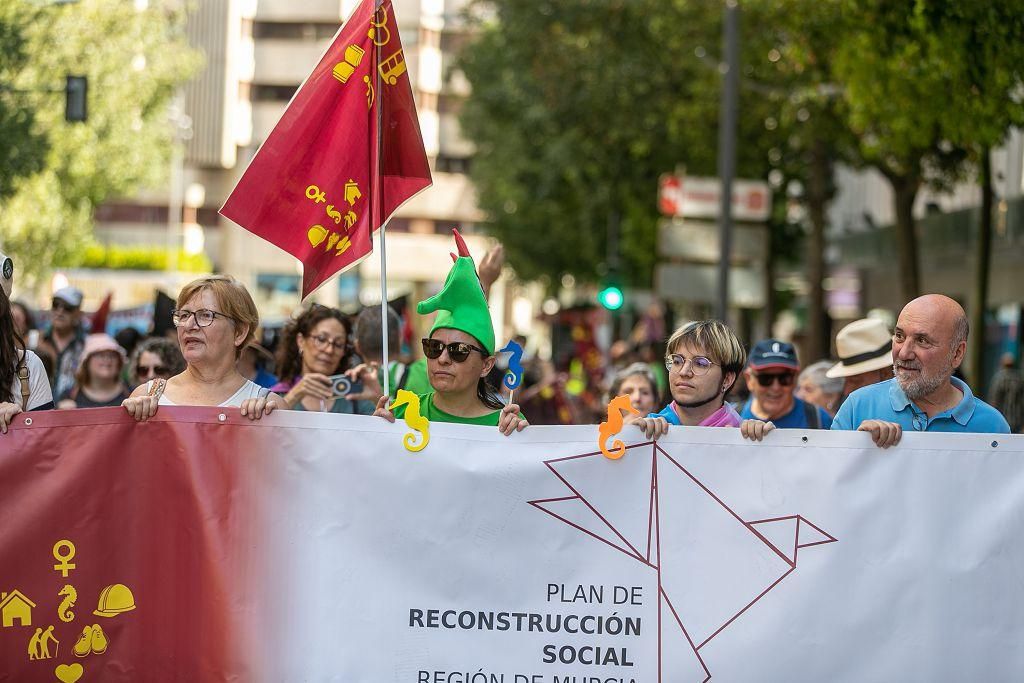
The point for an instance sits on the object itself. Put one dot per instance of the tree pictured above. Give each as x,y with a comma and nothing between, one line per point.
897,89
134,59
22,147
984,44
933,86
574,123
799,78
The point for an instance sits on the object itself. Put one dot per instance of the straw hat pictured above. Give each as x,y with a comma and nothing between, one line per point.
863,345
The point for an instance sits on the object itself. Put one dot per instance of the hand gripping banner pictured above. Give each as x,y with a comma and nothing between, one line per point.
199,546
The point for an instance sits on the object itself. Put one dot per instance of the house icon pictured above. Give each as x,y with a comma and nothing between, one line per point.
15,605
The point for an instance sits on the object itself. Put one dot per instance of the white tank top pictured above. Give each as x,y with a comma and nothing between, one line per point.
248,390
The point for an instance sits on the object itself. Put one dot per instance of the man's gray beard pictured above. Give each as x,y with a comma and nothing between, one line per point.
922,386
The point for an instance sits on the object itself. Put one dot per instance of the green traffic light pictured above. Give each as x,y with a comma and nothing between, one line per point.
611,298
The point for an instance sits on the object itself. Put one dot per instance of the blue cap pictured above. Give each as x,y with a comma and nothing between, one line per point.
772,353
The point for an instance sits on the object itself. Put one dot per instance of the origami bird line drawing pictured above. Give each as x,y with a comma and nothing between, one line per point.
711,565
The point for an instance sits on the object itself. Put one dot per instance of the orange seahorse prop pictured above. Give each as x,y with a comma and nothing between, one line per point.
614,425
416,422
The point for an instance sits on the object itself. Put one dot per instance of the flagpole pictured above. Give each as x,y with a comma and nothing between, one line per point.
378,196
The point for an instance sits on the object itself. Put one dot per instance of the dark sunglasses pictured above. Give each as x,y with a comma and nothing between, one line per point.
145,370
457,351
59,305
784,379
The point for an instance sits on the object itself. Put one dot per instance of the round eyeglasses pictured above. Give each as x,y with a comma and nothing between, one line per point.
699,365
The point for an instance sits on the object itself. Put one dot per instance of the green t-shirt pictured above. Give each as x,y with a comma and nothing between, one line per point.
435,414
418,382
414,375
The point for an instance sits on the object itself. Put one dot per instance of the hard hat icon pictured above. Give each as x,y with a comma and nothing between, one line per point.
114,599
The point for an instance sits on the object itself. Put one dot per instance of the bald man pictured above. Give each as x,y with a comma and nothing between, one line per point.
928,344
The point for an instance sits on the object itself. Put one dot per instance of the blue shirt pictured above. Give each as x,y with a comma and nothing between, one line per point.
886,401
796,418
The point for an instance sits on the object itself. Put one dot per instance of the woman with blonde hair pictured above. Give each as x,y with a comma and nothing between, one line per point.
704,360
215,318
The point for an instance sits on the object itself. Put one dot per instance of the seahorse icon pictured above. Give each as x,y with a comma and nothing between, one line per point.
70,596
333,214
514,375
614,425
416,422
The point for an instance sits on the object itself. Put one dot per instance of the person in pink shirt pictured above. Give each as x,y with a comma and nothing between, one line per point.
704,360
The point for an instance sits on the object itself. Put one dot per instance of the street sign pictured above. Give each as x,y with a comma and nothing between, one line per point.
693,197
696,283
699,241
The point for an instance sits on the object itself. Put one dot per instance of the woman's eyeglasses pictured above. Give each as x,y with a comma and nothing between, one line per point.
784,379
457,351
699,365
204,317
325,343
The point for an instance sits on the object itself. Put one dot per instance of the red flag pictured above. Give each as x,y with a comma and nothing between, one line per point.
99,318
324,181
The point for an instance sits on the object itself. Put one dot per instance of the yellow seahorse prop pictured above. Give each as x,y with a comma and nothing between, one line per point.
416,422
614,425
70,596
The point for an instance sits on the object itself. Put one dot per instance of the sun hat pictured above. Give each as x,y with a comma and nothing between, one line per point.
863,345
97,343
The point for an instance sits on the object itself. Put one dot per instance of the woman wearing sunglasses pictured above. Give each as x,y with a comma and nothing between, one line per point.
155,358
460,353
216,318
314,347
704,359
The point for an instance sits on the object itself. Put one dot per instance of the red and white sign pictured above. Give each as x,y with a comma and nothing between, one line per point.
692,197
200,546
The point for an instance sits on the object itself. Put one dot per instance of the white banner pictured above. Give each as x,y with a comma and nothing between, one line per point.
312,547
529,559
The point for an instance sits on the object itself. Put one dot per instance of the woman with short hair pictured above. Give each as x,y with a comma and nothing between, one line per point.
814,387
639,383
215,318
704,360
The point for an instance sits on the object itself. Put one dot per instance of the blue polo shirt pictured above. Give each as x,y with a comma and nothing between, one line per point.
886,401
796,418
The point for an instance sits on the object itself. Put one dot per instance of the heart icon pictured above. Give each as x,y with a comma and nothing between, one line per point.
69,673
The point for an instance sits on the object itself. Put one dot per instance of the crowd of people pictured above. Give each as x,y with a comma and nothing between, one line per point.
883,382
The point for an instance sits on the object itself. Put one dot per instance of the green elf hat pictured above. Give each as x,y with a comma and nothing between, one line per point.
460,303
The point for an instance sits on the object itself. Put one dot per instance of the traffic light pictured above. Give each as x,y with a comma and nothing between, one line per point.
77,91
611,297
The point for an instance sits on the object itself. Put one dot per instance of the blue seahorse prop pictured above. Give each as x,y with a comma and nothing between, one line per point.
514,375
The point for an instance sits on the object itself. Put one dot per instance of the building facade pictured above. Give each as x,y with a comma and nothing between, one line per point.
257,55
